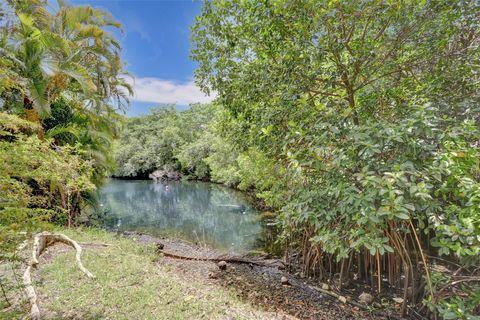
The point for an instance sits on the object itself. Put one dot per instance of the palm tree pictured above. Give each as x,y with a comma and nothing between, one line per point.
66,52
65,56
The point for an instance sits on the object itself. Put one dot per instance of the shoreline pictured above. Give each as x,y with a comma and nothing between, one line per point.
132,262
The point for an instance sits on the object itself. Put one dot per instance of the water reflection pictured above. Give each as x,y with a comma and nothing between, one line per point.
201,212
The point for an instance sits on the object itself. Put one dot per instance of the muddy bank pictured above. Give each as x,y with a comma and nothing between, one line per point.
258,284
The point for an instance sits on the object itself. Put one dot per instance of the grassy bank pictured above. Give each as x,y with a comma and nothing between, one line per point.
132,282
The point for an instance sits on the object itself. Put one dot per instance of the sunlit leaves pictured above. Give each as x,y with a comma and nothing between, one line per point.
370,108
35,181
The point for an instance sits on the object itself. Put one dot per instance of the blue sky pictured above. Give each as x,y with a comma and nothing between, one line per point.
156,48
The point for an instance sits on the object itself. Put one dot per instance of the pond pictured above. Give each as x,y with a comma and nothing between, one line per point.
200,212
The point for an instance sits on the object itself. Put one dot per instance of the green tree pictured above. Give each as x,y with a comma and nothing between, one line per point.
67,50
38,184
148,143
364,104
61,69
65,59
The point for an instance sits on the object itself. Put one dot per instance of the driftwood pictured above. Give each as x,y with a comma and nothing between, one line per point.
31,295
40,242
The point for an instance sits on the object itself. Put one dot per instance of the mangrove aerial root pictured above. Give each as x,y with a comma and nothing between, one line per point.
40,242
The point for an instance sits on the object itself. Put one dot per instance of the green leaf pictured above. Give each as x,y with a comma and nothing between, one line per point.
402,215
388,248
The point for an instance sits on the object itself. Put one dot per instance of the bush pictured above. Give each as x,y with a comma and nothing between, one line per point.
38,184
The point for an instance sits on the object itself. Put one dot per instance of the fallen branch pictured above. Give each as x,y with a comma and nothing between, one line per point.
44,239
94,244
228,259
31,295
40,242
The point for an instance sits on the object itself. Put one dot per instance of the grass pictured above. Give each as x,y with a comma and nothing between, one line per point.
131,283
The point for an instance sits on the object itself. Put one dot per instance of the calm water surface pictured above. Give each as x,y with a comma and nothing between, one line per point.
200,212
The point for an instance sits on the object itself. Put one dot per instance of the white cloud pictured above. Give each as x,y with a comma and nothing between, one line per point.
135,25
166,91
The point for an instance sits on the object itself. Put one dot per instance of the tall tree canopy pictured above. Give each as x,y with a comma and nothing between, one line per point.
62,68
62,83
67,52
372,108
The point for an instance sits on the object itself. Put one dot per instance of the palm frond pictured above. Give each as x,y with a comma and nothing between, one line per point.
37,93
62,130
81,75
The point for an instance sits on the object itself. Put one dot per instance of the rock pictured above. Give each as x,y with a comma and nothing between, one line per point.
325,286
213,275
365,298
342,299
222,265
398,300
284,280
165,174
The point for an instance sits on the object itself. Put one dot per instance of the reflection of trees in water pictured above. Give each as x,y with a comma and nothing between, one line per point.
200,211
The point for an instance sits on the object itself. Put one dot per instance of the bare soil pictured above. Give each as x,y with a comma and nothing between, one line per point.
259,285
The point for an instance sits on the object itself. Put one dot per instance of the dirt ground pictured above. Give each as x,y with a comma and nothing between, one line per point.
259,288
259,285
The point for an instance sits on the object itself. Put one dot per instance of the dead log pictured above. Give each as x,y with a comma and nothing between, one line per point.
229,259
31,295
40,242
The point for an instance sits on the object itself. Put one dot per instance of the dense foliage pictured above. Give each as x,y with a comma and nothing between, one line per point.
169,140
191,143
371,109
61,83
38,184
62,69
357,120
